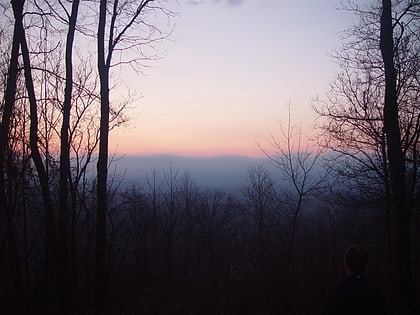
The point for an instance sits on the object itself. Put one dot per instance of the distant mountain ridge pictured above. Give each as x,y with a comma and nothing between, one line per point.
228,173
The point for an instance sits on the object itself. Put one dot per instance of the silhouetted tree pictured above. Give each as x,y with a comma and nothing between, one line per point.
119,29
359,127
300,174
50,227
67,281
7,216
399,202
261,197
189,195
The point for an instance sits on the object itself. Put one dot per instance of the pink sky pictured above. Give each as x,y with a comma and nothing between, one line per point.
229,73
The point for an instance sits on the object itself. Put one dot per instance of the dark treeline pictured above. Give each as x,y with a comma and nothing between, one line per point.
74,239
174,248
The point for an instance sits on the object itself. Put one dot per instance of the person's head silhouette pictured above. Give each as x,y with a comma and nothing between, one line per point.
355,260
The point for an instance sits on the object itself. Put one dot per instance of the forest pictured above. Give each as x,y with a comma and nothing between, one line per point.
74,239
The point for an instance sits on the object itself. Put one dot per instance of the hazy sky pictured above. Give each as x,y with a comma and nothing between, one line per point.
230,71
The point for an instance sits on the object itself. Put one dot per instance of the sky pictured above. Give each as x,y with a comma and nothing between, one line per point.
230,72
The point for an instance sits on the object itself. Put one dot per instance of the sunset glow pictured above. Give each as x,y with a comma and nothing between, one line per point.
229,74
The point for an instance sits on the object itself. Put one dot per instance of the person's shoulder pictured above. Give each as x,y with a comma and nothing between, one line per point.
352,284
351,295
366,284
338,288
344,282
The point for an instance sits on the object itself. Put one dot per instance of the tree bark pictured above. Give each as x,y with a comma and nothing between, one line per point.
104,64
6,211
50,229
102,168
399,204
9,103
63,209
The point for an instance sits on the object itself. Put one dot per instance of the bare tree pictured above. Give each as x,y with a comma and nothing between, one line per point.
171,217
154,194
260,194
353,124
50,228
399,204
63,209
189,194
371,118
6,214
300,174
126,30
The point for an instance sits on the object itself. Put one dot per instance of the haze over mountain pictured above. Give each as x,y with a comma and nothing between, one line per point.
225,173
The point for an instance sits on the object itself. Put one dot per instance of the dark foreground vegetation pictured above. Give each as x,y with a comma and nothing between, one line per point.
74,239
174,248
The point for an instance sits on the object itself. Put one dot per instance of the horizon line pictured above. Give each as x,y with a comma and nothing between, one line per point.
177,155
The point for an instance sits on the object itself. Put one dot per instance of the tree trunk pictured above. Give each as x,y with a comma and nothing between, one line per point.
9,103
6,213
63,210
399,205
50,229
102,169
